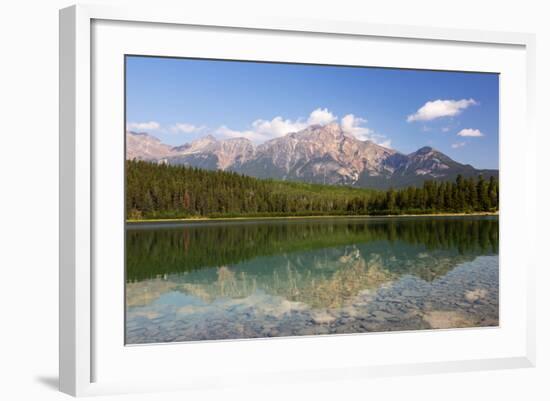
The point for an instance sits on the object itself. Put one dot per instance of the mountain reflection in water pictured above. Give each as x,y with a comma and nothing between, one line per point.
227,280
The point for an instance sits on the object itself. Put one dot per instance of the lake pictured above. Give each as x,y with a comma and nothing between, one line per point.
290,277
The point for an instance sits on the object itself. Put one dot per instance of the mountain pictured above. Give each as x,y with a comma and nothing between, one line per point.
317,154
142,146
210,153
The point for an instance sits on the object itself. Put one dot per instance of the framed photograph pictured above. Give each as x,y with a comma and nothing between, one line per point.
273,200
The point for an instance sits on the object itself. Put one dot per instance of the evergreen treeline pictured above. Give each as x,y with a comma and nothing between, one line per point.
462,196
163,191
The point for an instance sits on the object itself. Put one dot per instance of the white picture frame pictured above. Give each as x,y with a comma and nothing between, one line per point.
80,218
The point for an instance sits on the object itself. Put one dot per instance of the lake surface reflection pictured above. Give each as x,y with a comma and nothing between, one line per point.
270,278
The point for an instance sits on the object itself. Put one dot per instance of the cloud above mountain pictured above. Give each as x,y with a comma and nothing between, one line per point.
278,126
226,132
186,128
144,126
262,130
434,109
357,127
321,117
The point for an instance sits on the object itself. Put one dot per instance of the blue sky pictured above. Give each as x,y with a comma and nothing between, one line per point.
178,100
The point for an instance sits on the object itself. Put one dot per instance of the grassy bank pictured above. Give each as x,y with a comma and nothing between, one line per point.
292,217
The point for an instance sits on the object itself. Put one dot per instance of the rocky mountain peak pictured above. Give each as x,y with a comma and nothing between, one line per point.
322,154
205,140
424,150
334,128
239,140
142,146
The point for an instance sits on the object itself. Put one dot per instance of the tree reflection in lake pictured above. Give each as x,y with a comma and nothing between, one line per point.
298,277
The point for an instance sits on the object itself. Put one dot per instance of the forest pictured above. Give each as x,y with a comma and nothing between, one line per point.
160,191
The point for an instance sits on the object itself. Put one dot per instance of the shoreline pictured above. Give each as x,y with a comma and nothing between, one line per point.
244,218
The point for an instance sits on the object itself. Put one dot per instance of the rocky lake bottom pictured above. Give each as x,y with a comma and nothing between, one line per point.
374,286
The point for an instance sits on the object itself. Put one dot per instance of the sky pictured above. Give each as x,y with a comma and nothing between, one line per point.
178,100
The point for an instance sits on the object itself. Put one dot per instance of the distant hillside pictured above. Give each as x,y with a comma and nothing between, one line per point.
317,155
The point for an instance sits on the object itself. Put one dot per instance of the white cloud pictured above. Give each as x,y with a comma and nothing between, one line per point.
321,116
440,108
470,132
458,145
186,128
144,126
356,126
277,127
226,132
263,130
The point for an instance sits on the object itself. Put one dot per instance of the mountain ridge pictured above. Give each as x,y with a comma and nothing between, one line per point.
317,154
